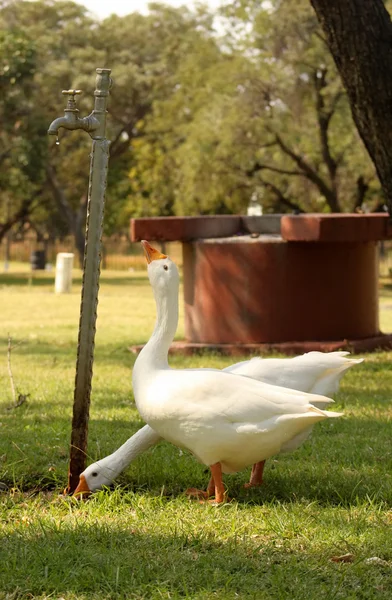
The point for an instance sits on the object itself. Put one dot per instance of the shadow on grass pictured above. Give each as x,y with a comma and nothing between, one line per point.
119,354
342,463
385,287
162,471
102,560
140,280
46,280
25,279
348,463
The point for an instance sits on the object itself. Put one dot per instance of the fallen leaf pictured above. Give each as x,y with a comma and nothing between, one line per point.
345,558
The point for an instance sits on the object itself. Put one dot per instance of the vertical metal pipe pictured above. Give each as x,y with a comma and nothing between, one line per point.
90,286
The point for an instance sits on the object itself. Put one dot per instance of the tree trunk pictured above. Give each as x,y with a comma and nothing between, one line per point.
359,36
75,220
19,217
80,228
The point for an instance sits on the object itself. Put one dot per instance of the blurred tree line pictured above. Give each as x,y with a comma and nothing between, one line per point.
205,110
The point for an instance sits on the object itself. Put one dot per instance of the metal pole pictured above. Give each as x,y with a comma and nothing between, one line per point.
95,124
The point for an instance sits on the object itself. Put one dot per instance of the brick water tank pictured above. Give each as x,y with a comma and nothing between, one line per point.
290,283
265,290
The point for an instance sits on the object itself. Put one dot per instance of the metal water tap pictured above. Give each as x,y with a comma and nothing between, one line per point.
95,125
71,120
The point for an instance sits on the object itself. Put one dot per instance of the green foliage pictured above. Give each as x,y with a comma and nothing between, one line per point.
17,60
203,112
20,165
260,108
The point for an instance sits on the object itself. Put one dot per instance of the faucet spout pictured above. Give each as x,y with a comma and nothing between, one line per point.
66,122
72,122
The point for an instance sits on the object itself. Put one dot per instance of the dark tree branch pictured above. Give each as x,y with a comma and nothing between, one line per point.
74,220
281,197
362,188
310,173
118,146
267,184
117,138
320,37
5,154
20,216
335,102
262,167
323,119
60,198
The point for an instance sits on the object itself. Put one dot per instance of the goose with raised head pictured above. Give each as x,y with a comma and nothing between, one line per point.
314,372
226,421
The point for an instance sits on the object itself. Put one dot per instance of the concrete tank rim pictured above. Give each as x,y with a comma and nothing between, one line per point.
244,239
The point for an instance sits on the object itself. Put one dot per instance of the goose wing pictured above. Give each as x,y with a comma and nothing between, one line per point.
196,394
314,372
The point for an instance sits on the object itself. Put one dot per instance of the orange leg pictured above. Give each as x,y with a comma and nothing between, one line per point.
215,487
194,492
220,495
256,476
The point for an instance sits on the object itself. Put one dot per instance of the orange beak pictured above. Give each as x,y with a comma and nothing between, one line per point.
82,489
151,253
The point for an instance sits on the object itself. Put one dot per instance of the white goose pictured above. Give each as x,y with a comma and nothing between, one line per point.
228,422
314,372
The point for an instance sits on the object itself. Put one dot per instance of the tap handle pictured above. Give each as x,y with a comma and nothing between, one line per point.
71,92
71,102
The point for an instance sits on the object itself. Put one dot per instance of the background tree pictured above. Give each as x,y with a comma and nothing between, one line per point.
19,181
199,118
55,30
143,52
262,109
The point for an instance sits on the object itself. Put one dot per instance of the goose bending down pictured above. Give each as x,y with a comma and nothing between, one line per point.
314,372
227,421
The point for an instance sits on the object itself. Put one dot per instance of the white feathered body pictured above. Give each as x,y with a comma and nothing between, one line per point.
220,417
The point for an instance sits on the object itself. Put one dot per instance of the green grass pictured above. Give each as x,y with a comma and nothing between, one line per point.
144,539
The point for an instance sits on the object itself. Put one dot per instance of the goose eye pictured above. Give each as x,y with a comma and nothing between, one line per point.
95,474
165,267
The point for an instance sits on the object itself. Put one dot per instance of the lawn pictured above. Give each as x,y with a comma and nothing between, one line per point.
144,538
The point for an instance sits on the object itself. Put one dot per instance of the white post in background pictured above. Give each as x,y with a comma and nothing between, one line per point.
255,208
63,281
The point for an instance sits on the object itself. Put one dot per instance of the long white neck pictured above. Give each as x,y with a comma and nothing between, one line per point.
156,350
115,463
